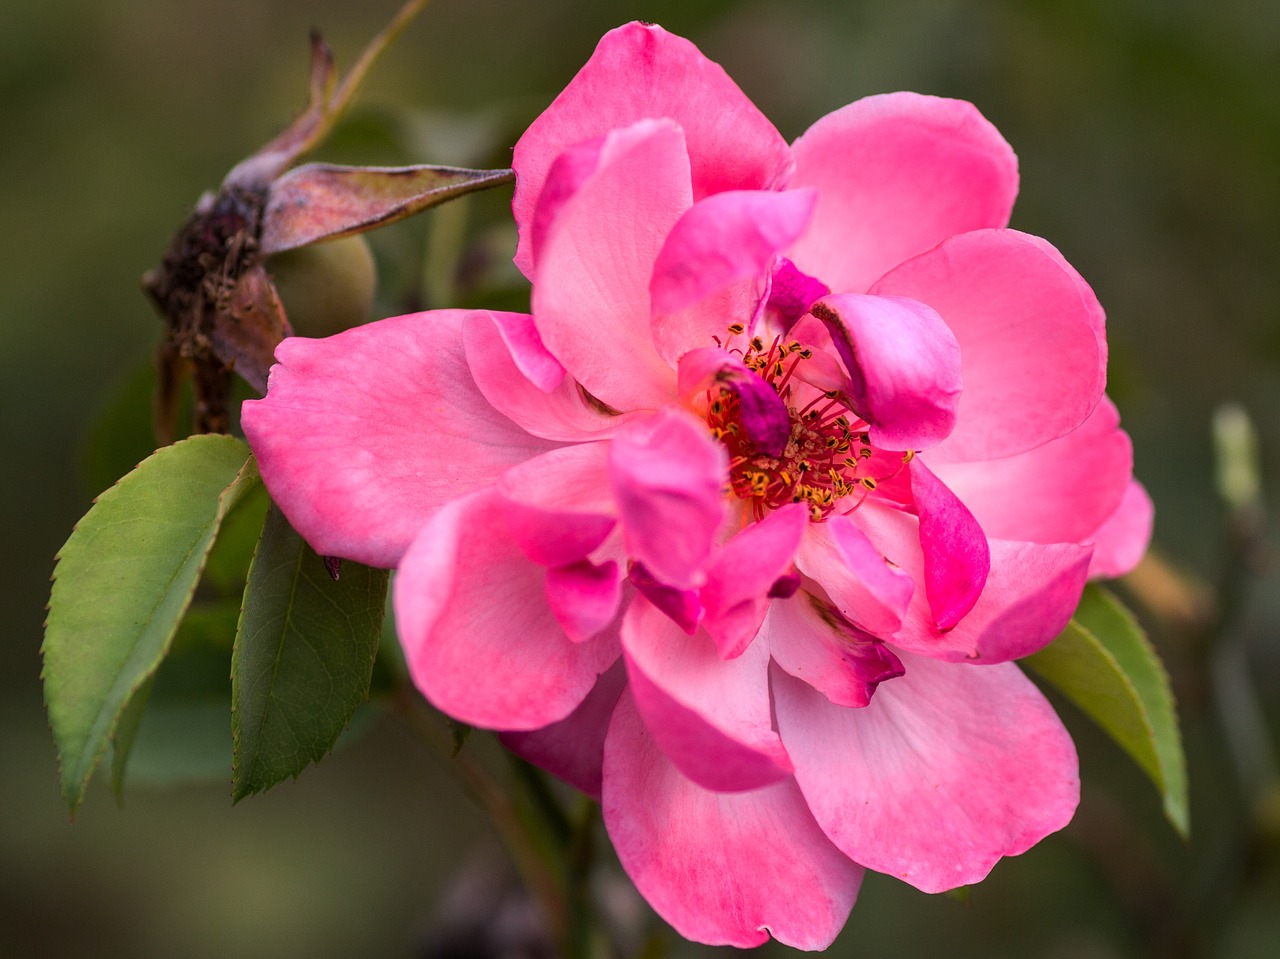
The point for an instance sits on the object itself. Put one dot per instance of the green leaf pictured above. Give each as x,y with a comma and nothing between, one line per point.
121,586
1104,664
303,656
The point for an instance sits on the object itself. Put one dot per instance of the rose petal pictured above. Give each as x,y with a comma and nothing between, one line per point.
557,505
866,589
904,364
638,71
711,717
480,641
666,474
897,174
364,434
721,868
584,597
591,290
1121,542
1031,339
956,555
948,769
762,414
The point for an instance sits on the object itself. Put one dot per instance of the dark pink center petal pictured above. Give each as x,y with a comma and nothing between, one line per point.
897,174
745,573
364,434
810,640
639,71
710,716
583,597
791,293
721,868
721,243
949,768
957,557
480,639
666,474
904,364
761,413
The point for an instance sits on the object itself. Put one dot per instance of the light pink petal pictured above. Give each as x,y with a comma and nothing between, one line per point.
557,505
638,71
1121,542
897,175
705,372
479,638
564,413
584,597
721,868
666,474
591,290
573,748
956,555
710,717
520,336
721,240
1031,334
1031,591
737,592
866,589
812,642
948,769
904,364
1060,492
364,434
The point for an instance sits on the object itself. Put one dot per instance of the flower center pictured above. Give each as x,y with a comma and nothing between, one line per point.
827,455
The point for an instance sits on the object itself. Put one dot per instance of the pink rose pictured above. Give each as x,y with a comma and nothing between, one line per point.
741,529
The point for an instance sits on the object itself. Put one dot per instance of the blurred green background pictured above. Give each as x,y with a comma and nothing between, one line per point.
1149,138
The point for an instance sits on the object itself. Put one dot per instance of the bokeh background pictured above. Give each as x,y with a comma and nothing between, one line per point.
1149,138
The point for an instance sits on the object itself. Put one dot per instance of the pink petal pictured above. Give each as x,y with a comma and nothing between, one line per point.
573,748
638,71
666,475
557,505
682,606
956,555
1060,492
813,643
897,175
719,241
791,293
866,588
1031,339
710,717
364,434
904,364
480,641
721,868
736,595
584,597
948,769
563,413
1121,542
520,336
1031,591
591,290
761,411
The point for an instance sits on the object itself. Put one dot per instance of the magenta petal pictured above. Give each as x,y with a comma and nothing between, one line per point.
711,718
897,174
956,555
812,643
666,474
364,434
762,414
948,769
721,868
573,748
1031,339
738,587
791,293
563,413
591,290
682,606
1121,542
479,638
584,597
1060,492
865,588
720,240
904,363
638,71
